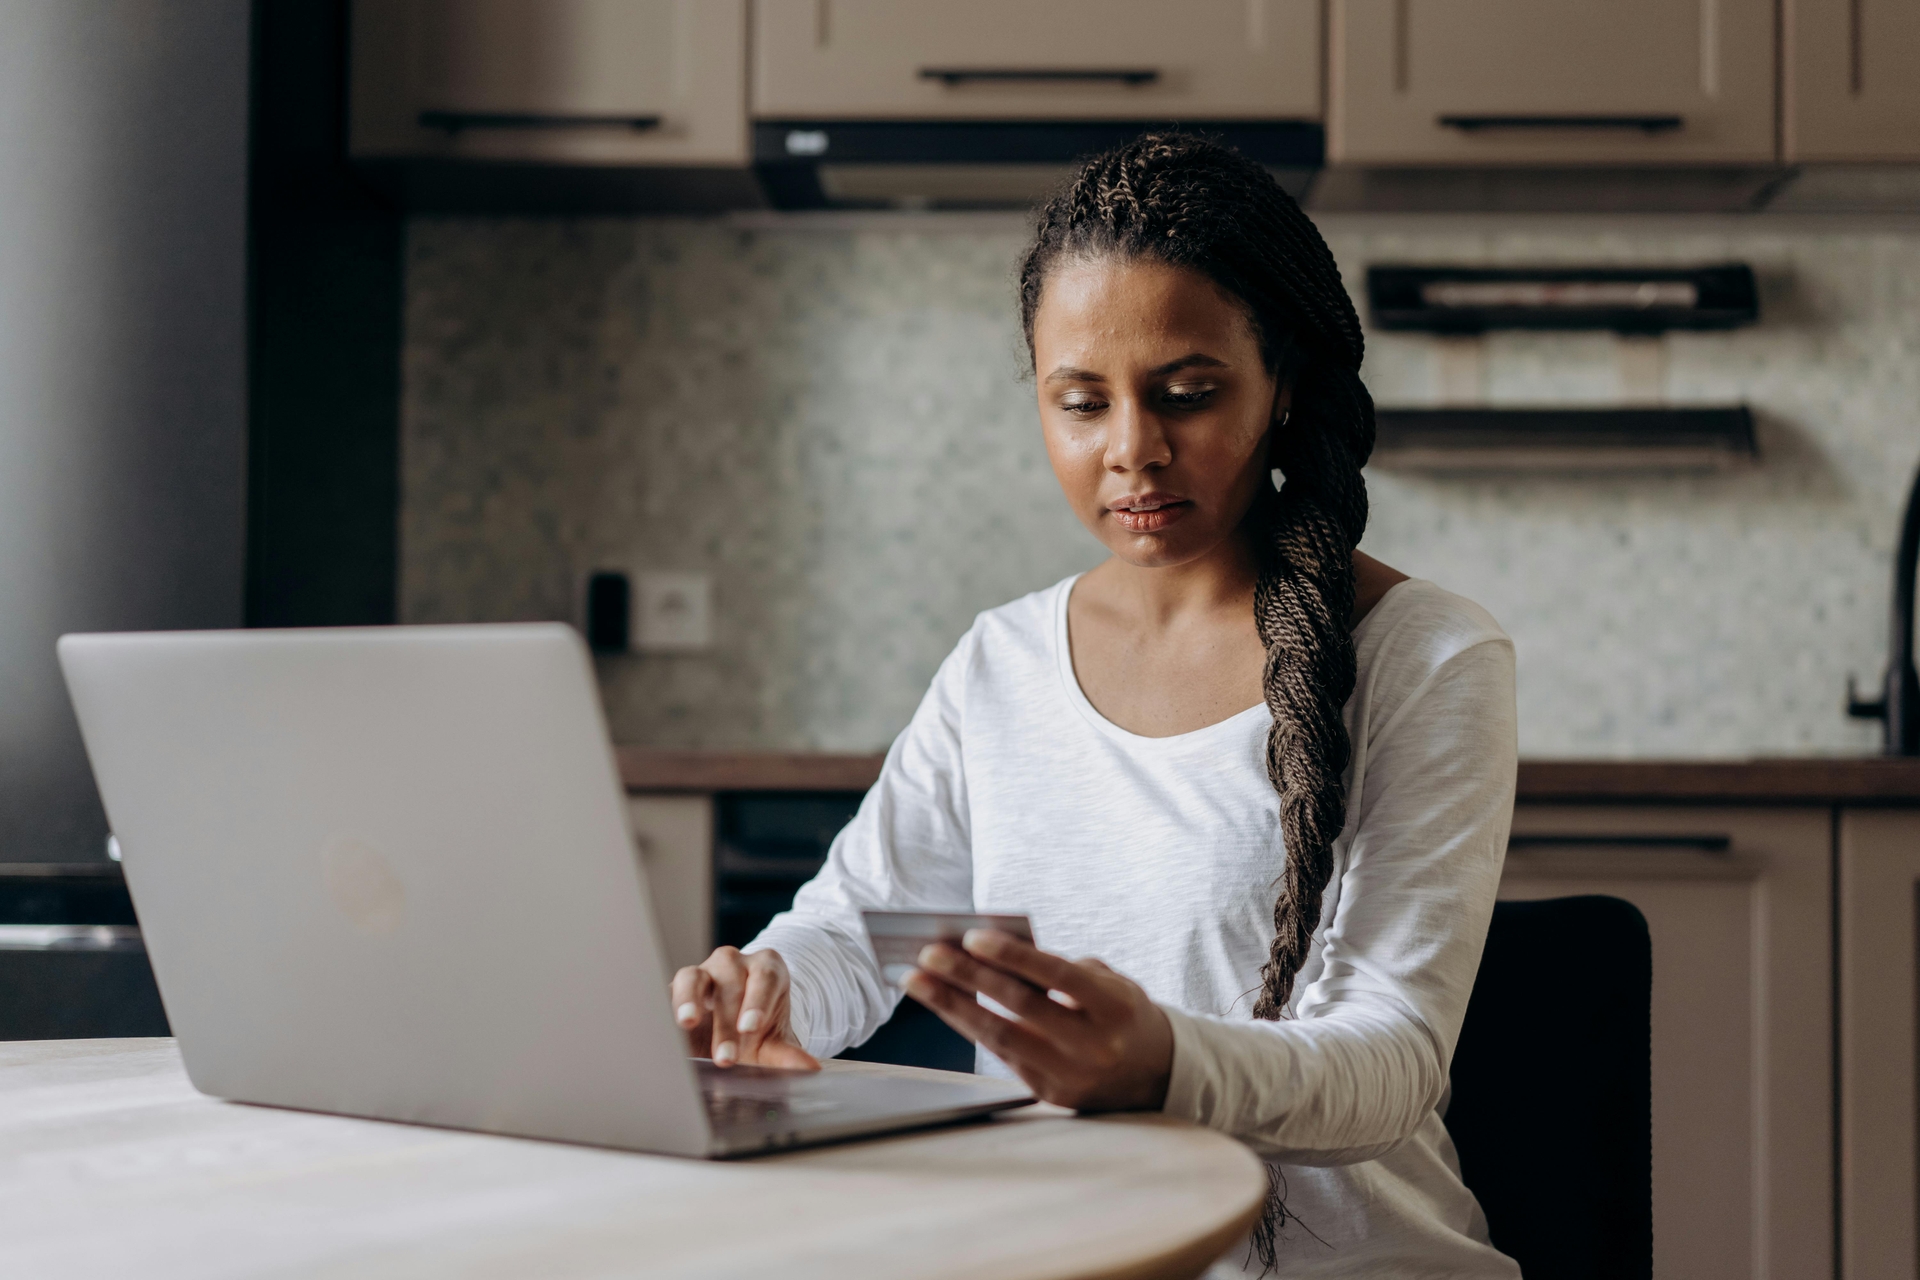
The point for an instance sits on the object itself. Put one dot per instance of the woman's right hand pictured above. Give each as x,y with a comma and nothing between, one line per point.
737,1008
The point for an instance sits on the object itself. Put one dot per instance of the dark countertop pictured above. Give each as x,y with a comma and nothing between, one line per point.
1777,780
1768,780
658,769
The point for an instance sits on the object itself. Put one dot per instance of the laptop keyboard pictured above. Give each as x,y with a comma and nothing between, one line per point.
731,1111
742,1099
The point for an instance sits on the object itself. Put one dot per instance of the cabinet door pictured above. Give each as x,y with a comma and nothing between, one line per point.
1551,82
674,837
1738,905
1065,59
642,82
1879,1022
1851,89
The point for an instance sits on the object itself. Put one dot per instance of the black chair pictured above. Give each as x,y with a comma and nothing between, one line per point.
1552,1088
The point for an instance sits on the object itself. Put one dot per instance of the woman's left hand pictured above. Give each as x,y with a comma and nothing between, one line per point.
1097,1043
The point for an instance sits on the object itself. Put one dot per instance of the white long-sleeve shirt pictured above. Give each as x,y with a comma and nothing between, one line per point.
1008,791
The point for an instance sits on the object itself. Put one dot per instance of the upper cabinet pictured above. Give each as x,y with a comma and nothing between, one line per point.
629,105
1062,60
594,82
1562,82
1852,92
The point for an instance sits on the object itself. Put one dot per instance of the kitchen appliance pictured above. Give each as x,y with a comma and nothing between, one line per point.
981,164
123,352
72,963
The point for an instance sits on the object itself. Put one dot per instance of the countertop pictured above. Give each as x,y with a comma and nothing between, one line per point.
1770,780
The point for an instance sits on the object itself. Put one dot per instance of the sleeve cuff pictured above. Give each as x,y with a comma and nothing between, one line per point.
1193,1091
805,994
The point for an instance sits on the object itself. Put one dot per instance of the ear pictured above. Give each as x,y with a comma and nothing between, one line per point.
1282,411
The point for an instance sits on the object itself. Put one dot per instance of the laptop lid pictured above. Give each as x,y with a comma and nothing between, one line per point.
387,872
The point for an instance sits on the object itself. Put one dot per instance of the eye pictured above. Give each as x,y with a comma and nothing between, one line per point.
1188,395
1082,405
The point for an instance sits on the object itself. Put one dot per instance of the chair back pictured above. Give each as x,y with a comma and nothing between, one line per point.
1551,1108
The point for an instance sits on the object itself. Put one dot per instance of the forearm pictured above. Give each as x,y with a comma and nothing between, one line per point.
1318,1091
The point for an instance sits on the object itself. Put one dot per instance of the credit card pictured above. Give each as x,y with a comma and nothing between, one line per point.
898,936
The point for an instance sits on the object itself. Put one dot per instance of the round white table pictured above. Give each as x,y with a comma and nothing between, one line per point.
111,1165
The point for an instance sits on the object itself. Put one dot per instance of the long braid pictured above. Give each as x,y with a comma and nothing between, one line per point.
1188,202
1301,604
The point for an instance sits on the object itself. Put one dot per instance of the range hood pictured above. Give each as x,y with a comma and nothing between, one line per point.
990,164
1012,164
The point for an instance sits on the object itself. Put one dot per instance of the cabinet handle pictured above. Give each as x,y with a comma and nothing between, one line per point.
455,121
1488,124
952,77
1702,843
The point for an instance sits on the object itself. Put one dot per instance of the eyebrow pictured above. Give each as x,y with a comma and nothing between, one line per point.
1192,360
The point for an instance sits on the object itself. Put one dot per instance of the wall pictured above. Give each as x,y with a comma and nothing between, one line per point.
123,127
831,417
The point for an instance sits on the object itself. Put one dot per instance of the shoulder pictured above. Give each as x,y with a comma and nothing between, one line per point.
1015,640
1422,623
1416,632
1019,629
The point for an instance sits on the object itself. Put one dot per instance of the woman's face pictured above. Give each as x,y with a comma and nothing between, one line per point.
1155,405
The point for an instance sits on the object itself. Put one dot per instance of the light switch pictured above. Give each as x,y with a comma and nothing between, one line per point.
676,612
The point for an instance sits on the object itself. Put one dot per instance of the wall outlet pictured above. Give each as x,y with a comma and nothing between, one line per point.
675,612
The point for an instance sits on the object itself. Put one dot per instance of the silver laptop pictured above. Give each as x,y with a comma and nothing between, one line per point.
387,872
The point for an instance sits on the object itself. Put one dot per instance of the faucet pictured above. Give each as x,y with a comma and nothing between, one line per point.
1899,703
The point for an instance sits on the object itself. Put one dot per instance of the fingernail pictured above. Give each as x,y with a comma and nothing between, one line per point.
726,1051
687,1013
750,1020
916,983
973,938
926,956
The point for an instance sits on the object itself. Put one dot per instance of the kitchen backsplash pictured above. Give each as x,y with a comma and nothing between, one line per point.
834,421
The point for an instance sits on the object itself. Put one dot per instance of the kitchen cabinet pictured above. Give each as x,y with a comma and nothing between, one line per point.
673,836
588,82
1738,903
1066,59
1879,886
1487,83
1848,76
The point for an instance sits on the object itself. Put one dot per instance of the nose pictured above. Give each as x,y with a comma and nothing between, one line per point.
1135,439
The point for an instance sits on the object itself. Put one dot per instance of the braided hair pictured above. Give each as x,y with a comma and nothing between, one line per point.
1187,202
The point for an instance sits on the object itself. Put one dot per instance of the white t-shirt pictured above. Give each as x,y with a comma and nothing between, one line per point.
1008,791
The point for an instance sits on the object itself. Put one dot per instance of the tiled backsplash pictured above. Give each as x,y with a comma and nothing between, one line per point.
835,422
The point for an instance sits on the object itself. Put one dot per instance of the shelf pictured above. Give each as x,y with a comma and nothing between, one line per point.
1542,439
1642,300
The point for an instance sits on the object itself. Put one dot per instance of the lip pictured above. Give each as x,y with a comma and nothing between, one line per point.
1148,512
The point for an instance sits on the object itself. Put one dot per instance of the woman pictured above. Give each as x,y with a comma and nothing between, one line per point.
1236,700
